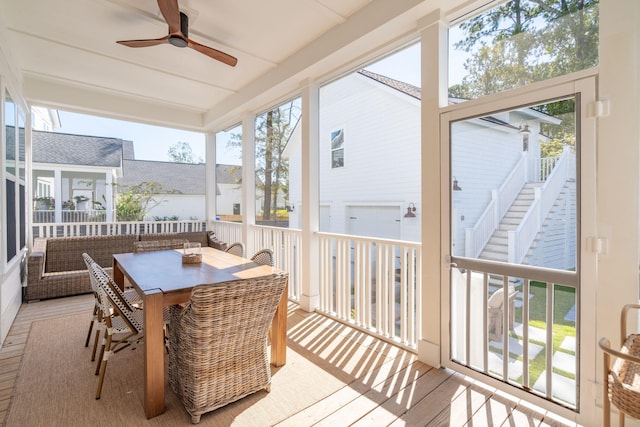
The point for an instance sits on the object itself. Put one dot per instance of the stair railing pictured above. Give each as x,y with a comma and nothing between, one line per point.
520,239
476,237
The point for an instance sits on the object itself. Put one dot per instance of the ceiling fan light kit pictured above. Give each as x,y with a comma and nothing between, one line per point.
179,34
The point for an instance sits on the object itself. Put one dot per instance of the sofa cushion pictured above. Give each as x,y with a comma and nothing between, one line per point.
65,253
192,236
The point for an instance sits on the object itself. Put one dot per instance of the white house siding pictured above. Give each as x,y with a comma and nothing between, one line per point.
184,207
558,248
230,194
381,152
11,298
10,283
483,156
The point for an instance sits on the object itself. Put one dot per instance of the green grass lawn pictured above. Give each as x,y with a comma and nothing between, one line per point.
564,300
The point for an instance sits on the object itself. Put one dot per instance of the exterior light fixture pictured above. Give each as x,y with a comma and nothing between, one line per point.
525,132
410,211
456,187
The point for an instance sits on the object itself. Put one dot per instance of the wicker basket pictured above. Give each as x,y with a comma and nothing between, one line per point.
624,379
192,259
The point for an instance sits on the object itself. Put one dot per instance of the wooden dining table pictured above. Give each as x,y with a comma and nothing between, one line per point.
162,279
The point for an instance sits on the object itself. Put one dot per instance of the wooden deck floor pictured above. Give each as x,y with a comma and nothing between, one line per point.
410,394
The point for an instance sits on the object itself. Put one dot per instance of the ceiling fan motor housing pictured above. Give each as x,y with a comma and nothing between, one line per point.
184,29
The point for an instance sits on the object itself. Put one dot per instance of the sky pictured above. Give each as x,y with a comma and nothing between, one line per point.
150,142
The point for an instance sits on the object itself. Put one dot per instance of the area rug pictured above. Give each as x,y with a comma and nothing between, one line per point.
56,385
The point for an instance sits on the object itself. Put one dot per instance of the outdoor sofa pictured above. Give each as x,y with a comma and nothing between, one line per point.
56,267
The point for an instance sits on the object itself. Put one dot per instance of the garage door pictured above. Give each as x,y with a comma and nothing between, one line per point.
374,221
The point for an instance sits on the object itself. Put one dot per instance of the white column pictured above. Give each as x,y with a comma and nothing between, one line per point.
248,207
28,153
310,199
617,175
435,187
57,190
210,208
108,195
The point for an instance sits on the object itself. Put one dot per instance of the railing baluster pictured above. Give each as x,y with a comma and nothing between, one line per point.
535,372
549,346
367,271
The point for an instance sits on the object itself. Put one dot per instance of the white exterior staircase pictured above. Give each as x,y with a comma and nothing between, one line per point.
496,248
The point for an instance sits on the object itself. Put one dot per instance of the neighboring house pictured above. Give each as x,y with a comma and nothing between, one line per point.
88,172
369,160
70,173
182,185
228,191
369,165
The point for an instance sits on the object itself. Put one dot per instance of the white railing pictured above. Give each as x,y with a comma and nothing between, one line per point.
546,165
228,232
373,284
483,336
477,236
286,246
44,216
89,215
72,229
520,239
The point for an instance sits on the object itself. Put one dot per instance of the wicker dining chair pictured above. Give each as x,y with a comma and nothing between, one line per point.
622,377
158,245
132,297
236,248
218,342
124,323
263,257
495,306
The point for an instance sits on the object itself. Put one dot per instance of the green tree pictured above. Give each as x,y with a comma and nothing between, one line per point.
181,152
135,202
522,41
273,130
559,135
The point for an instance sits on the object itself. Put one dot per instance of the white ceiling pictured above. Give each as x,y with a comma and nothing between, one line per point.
65,54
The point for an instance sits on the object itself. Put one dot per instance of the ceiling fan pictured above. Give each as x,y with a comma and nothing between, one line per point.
179,34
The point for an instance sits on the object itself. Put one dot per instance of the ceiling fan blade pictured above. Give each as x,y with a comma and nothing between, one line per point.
171,14
213,53
145,42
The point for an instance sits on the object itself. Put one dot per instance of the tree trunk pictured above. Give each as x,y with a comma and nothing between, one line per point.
268,167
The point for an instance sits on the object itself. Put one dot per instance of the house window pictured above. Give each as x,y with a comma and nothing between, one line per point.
11,219
10,146
236,208
337,148
14,189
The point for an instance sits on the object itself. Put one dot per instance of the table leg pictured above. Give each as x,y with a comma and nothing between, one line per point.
154,354
279,331
118,275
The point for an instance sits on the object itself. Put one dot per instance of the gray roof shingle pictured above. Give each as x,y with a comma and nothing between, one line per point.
407,88
181,178
62,148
